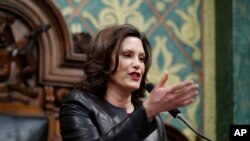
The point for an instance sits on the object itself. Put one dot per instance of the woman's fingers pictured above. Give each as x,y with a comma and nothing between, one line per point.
186,102
178,87
187,89
182,94
186,97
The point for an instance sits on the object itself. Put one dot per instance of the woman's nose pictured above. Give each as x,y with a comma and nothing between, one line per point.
136,63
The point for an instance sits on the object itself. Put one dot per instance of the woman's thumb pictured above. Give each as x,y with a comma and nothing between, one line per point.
163,79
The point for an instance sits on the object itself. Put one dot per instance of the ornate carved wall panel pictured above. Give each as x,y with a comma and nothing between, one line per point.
40,61
59,64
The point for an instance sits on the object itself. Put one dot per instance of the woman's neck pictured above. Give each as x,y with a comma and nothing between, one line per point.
119,98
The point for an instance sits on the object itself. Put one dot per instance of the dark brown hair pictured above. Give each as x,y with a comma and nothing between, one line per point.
97,66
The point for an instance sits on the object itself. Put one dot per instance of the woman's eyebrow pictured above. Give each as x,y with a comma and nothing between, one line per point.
142,53
132,51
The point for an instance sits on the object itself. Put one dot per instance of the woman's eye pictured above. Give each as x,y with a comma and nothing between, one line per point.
127,54
142,59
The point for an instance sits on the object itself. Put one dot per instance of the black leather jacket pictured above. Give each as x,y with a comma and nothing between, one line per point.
83,118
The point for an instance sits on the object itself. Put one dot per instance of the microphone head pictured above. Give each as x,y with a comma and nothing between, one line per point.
149,87
174,113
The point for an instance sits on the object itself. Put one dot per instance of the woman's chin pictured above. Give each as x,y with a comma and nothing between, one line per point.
134,87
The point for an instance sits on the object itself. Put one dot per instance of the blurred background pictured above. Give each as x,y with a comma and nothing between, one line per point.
42,49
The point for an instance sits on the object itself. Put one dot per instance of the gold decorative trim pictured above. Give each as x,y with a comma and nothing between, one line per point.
209,69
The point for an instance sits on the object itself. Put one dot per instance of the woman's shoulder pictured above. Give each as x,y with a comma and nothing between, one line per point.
81,99
78,96
76,102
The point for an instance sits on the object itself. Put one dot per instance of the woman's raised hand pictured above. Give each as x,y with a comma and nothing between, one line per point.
168,98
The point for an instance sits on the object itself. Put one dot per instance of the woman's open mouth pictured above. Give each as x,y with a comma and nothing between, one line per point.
135,76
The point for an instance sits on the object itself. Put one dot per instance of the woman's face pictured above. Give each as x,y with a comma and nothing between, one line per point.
131,65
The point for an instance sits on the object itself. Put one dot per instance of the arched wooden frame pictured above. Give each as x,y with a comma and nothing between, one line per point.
59,65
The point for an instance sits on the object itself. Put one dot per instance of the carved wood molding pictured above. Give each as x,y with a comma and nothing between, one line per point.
56,64
59,65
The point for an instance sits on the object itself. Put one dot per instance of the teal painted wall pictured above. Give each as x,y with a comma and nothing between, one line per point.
224,68
173,27
241,61
232,65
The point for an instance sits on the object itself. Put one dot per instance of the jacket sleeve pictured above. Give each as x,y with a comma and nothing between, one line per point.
77,124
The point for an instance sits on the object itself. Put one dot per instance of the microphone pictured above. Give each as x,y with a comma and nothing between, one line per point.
176,113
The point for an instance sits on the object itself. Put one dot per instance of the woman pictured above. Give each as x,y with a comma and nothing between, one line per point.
108,105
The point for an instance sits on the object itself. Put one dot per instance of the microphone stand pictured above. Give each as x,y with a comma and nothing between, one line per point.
185,122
